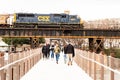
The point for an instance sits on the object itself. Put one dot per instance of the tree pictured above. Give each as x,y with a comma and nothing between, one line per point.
41,40
20,41
16,41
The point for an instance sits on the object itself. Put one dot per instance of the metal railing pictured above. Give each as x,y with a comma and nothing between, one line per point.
18,64
98,66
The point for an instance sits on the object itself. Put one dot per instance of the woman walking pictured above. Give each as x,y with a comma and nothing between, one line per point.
57,52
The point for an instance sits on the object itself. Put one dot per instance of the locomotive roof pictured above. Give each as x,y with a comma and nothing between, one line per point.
43,13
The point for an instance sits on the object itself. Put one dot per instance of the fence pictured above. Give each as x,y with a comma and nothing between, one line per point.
18,64
98,66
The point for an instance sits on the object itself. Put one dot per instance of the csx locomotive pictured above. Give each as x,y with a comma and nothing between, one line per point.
30,19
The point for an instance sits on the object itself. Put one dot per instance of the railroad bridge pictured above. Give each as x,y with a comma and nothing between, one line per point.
97,65
95,36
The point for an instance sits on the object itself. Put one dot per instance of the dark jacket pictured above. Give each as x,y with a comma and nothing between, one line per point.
70,49
44,49
48,48
52,48
65,49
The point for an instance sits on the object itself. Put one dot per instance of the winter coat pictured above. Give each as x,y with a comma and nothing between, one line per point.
52,48
56,50
44,49
65,49
48,48
70,50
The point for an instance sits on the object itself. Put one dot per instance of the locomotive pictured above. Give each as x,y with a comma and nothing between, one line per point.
29,20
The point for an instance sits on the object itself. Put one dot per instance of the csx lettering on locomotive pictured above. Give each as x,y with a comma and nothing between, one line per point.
43,18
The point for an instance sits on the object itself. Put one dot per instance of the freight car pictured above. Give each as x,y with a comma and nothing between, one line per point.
29,20
6,20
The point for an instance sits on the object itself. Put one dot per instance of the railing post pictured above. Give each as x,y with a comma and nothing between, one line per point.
82,62
79,58
89,63
1,65
86,63
94,66
10,73
102,68
112,65
16,72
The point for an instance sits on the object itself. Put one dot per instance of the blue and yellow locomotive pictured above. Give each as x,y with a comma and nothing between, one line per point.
38,19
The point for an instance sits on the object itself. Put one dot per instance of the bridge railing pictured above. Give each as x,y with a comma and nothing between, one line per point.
18,64
98,66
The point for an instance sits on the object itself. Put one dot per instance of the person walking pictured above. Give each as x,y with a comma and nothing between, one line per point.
57,52
48,50
70,53
64,50
44,51
52,51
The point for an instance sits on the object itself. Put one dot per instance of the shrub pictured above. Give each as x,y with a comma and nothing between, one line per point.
115,51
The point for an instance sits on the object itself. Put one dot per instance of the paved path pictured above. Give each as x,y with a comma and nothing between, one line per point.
49,70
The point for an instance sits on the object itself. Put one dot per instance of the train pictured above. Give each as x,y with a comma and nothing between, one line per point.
32,20
4,20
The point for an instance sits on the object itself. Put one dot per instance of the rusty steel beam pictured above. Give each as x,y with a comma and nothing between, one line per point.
59,32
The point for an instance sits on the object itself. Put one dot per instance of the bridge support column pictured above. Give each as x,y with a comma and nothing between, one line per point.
96,44
34,42
91,44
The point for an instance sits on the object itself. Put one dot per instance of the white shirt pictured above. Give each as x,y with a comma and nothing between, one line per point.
6,56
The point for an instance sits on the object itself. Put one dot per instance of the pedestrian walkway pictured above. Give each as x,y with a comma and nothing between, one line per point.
49,70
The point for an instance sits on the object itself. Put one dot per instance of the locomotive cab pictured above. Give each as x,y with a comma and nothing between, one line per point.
73,19
59,18
64,18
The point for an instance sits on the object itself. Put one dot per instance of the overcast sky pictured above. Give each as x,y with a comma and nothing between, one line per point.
86,9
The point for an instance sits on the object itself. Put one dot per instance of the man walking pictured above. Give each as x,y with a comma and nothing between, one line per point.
70,53
44,51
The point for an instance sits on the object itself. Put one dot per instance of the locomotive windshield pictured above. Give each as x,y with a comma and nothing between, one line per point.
63,16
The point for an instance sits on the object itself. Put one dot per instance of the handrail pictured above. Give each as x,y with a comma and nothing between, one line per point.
116,71
16,61
98,66
18,64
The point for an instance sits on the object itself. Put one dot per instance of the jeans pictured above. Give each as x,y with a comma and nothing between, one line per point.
52,54
57,56
65,58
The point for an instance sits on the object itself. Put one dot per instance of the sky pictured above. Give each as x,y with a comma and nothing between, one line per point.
86,9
